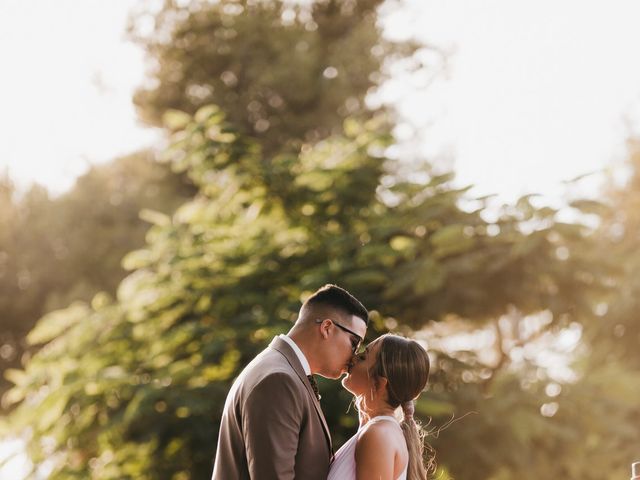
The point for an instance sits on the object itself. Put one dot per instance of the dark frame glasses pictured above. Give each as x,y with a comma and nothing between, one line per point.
354,347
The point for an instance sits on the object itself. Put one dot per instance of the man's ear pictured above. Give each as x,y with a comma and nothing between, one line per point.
324,327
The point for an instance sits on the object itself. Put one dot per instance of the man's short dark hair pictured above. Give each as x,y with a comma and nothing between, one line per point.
338,298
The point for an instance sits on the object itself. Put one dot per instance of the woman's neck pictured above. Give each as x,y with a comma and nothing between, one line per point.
368,413
378,410
381,413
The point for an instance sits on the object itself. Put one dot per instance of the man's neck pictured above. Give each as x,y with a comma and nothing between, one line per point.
304,347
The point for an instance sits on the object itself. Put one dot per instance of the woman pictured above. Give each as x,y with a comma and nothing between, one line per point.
390,373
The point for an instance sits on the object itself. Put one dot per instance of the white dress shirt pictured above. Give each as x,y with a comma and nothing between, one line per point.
299,354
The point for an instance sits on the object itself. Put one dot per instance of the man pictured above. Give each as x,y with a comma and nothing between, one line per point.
272,426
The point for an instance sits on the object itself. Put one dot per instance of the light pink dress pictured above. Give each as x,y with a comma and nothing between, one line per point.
344,463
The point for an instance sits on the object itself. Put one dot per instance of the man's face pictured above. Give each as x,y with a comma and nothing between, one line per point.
346,334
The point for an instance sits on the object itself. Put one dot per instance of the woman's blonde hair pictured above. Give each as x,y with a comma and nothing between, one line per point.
405,365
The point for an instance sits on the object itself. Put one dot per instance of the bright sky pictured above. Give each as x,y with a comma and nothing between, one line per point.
65,89
535,92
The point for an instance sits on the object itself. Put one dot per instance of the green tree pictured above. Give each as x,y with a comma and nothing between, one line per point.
98,221
57,250
529,425
284,72
618,331
25,255
135,386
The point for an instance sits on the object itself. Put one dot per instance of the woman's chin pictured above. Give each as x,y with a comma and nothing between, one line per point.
345,381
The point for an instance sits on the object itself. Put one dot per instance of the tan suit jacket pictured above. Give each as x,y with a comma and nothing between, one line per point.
272,426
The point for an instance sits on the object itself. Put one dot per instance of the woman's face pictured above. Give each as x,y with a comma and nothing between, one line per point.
358,380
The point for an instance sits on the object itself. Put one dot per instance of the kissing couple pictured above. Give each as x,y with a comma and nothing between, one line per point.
273,428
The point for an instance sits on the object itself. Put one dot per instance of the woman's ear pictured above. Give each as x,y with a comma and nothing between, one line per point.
382,385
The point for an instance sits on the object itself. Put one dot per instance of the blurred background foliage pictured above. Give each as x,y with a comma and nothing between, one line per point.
158,279
284,72
57,250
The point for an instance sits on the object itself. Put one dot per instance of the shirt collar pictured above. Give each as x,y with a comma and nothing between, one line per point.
299,354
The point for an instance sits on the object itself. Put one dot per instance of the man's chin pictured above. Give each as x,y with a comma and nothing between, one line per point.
337,375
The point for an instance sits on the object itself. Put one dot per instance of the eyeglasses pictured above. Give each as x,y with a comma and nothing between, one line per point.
356,340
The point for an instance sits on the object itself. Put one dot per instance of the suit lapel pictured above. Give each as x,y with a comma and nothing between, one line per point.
285,349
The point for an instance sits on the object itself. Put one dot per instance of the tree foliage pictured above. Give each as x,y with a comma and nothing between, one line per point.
134,386
284,72
297,193
617,335
57,250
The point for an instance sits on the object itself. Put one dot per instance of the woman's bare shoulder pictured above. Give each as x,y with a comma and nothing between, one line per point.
374,453
376,435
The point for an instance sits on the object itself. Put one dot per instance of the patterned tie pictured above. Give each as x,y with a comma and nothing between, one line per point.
314,385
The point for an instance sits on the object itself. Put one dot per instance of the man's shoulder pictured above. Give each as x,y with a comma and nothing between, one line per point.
268,376
269,363
270,357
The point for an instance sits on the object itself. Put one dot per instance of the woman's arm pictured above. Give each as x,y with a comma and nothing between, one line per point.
374,455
